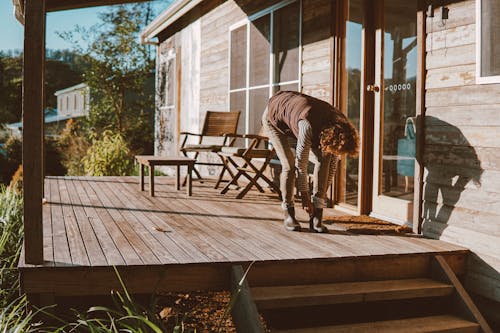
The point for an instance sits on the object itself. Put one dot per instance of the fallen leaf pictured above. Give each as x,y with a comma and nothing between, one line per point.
159,229
166,313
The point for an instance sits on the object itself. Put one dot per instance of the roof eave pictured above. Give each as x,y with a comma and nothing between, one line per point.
175,11
19,10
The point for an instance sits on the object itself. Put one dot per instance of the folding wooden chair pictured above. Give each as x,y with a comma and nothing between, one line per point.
249,156
216,124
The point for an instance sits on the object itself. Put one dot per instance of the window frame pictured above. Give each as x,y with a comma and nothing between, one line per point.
479,78
271,85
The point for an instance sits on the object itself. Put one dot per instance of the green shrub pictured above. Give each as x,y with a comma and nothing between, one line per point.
53,158
108,156
73,145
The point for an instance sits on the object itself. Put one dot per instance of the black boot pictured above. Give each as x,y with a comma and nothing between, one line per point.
290,222
316,222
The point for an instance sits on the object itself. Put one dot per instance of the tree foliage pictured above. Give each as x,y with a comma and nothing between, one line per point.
120,75
10,89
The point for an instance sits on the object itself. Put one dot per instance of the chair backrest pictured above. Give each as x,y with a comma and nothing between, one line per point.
218,123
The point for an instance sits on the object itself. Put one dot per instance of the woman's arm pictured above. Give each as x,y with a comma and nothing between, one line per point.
333,169
304,142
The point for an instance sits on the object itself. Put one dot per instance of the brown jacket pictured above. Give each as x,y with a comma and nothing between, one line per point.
287,108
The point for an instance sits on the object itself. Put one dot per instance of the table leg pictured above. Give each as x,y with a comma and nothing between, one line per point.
190,180
178,179
141,176
152,180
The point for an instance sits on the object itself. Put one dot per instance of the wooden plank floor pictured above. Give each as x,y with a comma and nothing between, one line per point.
101,222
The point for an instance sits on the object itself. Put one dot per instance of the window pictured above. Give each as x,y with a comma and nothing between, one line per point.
264,58
166,81
488,41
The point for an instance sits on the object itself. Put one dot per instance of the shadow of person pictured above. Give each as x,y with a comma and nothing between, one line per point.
451,163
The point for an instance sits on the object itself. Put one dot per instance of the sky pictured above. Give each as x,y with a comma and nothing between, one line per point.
11,31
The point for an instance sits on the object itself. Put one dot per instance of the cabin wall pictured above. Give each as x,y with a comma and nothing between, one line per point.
461,199
202,41
317,48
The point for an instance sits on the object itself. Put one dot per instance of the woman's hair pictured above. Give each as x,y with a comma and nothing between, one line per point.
340,138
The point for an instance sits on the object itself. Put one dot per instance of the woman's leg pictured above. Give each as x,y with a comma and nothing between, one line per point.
285,155
321,181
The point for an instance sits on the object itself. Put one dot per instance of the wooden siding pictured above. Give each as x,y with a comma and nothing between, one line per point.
317,49
214,63
462,150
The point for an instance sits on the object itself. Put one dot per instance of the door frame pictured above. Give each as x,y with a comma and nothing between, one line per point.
372,24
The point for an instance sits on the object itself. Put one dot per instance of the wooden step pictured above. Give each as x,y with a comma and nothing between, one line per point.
444,323
348,292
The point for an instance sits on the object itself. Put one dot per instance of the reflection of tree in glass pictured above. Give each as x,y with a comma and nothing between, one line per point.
354,95
353,112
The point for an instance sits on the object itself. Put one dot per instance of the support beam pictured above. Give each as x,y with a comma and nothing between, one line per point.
420,113
57,5
33,103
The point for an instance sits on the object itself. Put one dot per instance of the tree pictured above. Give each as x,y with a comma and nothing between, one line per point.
10,89
120,75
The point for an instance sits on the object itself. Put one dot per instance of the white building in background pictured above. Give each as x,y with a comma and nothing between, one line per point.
73,101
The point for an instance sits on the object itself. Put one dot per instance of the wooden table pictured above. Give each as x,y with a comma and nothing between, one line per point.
151,161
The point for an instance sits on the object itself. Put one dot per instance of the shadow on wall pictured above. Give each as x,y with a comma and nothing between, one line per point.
450,163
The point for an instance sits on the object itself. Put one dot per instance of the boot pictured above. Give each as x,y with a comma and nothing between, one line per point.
290,222
316,222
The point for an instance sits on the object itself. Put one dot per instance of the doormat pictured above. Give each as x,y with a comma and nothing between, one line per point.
367,225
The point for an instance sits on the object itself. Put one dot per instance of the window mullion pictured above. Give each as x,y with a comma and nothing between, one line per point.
271,54
247,95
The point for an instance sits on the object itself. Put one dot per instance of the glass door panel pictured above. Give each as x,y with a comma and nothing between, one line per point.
286,43
260,48
395,130
257,104
349,167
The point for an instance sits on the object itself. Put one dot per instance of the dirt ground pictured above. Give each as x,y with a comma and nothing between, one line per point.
198,311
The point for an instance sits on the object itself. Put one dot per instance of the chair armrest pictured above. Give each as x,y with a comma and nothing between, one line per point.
189,133
246,136
233,135
256,136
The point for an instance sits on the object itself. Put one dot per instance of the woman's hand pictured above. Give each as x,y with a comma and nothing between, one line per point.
306,203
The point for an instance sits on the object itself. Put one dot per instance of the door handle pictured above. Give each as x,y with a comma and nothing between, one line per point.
372,87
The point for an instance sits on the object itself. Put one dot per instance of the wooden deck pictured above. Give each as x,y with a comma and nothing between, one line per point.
174,242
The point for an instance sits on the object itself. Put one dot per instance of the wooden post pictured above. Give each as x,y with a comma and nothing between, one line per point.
33,120
420,113
151,179
245,315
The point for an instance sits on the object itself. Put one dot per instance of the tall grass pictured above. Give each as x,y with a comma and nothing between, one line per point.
11,231
14,316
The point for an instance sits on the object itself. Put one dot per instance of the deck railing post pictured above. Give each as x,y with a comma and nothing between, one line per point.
33,120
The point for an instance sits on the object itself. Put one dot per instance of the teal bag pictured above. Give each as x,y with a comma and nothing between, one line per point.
407,150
